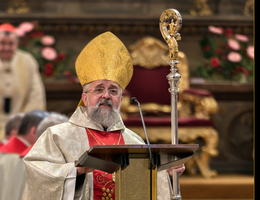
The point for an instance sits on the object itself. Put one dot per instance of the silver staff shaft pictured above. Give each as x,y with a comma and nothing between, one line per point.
173,79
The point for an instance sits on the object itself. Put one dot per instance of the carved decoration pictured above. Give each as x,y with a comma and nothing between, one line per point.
203,106
18,6
149,53
200,7
249,8
239,133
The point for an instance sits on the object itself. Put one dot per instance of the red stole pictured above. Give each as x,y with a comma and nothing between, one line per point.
14,145
104,186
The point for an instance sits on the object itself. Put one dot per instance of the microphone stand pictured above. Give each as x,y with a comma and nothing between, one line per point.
134,100
170,24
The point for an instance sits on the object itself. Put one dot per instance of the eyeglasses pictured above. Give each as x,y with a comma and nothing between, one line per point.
100,90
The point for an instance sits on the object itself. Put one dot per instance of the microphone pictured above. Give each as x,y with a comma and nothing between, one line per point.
134,100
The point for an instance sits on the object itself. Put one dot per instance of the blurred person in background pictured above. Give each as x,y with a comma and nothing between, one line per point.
26,134
11,127
21,86
14,187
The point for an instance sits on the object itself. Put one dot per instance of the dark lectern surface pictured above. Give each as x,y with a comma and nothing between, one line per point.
105,151
105,157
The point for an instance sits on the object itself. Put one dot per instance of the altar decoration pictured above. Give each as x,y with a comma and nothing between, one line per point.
227,56
53,64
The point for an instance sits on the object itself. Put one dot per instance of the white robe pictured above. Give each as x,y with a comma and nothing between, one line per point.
7,165
14,185
50,169
23,84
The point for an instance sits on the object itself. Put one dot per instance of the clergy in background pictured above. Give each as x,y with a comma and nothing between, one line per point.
14,185
26,135
10,152
21,87
104,69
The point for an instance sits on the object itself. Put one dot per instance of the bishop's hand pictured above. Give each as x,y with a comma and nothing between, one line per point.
84,170
179,169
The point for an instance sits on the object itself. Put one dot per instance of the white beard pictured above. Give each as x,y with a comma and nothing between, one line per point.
106,117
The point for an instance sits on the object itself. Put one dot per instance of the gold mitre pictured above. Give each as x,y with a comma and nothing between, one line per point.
104,58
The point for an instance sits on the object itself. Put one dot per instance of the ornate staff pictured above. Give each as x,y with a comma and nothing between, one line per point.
170,24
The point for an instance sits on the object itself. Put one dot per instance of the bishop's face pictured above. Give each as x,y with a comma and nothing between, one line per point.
8,45
95,97
102,100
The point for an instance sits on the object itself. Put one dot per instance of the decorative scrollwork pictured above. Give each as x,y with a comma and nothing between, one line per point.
170,24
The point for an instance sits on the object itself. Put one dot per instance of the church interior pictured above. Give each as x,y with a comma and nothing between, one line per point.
216,91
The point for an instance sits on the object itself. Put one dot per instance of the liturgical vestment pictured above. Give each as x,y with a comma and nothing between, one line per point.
51,173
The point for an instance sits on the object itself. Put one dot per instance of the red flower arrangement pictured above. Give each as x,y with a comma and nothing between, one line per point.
52,63
214,61
226,56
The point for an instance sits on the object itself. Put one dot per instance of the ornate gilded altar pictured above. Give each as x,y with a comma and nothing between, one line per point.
149,85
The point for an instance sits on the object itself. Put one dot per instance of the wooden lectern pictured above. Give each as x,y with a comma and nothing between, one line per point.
131,164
